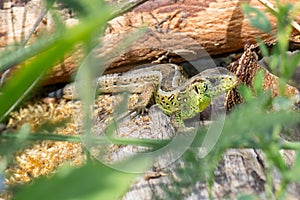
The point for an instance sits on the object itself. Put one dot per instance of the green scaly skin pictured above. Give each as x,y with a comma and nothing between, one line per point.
173,92
195,94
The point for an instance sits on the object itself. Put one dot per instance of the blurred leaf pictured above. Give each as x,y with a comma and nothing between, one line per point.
282,15
9,146
252,120
82,8
283,103
249,125
50,127
257,18
246,197
292,64
258,82
13,57
91,182
246,93
263,48
295,10
77,6
24,80
1,182
274,61
294,173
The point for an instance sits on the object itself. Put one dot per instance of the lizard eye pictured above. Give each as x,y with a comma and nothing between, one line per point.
196,89
205,87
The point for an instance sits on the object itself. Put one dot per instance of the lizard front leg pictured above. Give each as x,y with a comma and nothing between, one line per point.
177,121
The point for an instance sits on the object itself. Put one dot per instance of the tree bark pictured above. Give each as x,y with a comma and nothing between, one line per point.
189,28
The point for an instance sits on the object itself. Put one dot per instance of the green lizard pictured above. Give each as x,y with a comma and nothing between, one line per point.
176,96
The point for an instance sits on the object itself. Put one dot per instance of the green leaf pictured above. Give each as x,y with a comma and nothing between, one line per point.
246,92
252,121
257,18
17,142
274,61
263,48
294,173
91,182
11,57
246,197
292,64
76,6
24,80
258,82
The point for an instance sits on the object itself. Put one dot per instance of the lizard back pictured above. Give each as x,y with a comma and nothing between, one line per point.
167,77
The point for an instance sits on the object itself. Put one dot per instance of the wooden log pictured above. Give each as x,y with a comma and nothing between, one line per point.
217,26
184,27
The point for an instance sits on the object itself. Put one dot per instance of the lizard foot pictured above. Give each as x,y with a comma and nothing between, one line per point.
135,112
141,110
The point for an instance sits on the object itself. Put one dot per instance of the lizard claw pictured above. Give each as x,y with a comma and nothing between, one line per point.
134,112
139,111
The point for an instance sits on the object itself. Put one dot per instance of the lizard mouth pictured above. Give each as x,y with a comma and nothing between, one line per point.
232,82
220,85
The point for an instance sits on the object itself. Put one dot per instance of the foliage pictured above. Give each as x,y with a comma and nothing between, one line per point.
258,126
92,181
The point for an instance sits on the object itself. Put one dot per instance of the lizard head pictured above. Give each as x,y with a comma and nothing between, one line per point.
217,85
213,82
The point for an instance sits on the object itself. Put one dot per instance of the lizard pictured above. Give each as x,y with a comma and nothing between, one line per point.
177,96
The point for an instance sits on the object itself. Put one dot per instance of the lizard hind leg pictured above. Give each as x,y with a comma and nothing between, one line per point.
138,103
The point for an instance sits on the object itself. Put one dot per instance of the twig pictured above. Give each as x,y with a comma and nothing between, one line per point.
120,9
269,5
127,6
33,28
152,143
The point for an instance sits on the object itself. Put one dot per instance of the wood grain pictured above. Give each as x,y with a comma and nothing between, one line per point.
186,27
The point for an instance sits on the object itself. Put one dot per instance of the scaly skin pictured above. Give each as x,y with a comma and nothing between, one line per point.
173,92
195,94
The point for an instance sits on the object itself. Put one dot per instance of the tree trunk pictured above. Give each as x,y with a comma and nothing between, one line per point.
190,29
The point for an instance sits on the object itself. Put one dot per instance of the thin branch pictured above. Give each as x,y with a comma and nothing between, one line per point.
120,9
152,143
96,140
33,28
269,5
127,6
